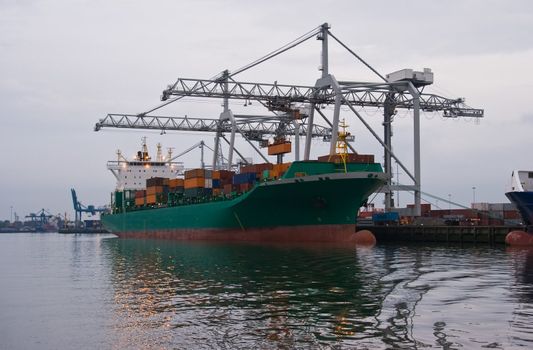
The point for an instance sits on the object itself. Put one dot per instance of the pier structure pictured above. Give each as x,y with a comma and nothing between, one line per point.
492,235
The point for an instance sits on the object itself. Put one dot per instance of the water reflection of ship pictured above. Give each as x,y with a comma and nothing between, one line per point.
398,302
274,290
403,288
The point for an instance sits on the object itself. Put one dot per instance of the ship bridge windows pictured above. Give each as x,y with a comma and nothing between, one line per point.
530,175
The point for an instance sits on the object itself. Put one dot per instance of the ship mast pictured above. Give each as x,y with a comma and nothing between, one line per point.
144,155
342,143
159,154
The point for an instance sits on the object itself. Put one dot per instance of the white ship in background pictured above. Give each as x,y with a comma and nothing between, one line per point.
521,194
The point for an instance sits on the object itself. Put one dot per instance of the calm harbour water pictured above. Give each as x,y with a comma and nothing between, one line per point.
100,292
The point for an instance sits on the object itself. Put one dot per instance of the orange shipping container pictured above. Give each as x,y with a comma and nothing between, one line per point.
279,148
154,189
173,183
139,201
217,191
150,199
216,174
195,182
281,168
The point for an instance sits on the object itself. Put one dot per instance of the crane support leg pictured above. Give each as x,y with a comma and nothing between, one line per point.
335,126
229,115
215,151
236,150
416,132
296,140
387,138
310,119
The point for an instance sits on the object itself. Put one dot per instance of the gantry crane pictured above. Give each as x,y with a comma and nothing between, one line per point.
399,90
80,208
40,219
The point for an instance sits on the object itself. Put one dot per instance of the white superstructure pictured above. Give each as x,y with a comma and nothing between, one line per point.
522,181
132,174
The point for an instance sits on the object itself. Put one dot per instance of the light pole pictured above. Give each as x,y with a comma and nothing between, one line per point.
10,214
474,195
449,203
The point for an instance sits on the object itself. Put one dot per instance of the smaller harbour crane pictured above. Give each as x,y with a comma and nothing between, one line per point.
39,220
80,208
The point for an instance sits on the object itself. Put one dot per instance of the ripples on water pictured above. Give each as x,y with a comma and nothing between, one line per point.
182,295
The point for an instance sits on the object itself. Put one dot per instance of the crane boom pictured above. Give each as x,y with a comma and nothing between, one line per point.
252,127
358,94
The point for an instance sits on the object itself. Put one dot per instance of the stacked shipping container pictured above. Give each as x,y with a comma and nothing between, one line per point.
221,179
199,183
124,198
156,190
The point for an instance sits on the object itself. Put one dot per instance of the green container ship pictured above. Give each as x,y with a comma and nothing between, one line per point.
313,201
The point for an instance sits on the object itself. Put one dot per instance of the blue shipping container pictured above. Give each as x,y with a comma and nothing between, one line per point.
239,179
390,217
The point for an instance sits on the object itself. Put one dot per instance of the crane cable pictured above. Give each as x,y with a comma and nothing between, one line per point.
278,51
270,55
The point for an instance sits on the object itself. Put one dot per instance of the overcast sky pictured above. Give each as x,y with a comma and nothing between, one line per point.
66,64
